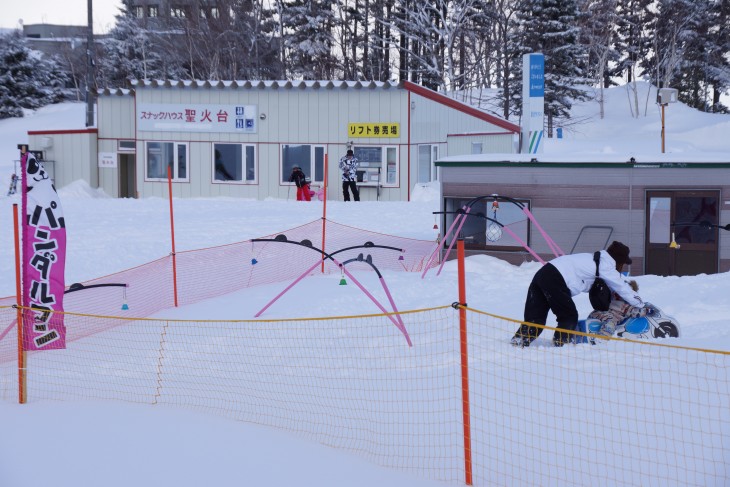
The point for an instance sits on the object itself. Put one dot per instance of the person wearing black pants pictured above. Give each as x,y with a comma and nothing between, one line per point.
348,167
554,285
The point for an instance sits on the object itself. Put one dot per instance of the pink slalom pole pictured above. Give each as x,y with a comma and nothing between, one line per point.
523,243
287,288
402,326
451,245
372,298
438,245
551,243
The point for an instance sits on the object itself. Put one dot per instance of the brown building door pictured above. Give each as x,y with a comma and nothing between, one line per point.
685,218
127,188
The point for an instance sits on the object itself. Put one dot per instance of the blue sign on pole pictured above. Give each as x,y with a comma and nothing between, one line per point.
537,75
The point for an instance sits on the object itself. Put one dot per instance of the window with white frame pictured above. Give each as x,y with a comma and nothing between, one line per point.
234,163
308,157
161,155
427,155
153,11
138,11
126,146
177,12
378,165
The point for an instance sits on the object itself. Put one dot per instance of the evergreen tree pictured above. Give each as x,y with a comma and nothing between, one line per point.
633,36
308,39
688,41
130,52
550,27
27,80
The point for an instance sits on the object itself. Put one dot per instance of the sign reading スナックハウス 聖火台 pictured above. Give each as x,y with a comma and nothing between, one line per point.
172,117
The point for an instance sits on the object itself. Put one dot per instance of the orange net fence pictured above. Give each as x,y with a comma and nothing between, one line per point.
211,272
620,412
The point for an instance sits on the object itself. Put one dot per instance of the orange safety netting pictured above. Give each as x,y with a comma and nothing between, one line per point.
215,271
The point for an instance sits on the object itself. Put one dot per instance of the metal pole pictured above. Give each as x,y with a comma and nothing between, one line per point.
663,127
90,65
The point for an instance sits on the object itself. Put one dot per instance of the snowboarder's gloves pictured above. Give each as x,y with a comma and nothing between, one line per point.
608,328
637,312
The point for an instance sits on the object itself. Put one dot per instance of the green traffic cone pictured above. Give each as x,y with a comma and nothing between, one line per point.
343,282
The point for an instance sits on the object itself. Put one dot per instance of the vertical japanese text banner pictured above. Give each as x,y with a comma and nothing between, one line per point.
44,259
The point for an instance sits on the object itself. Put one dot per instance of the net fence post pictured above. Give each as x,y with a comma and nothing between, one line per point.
464,363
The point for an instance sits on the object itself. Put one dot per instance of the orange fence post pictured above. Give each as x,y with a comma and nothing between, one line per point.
19,296
464,363
324,207
172,232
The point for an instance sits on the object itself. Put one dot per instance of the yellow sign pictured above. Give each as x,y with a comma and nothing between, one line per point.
377,130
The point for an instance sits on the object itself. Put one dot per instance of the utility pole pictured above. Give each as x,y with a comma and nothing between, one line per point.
90,65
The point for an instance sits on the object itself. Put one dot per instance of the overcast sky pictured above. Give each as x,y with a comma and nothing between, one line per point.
69,12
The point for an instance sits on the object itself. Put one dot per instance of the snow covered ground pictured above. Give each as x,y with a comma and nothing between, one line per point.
116,444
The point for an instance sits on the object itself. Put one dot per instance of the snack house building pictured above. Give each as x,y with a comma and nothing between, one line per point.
242,138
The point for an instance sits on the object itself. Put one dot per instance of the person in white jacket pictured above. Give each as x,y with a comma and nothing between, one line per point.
554,285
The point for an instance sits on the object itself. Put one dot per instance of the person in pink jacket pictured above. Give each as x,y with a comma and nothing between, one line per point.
554,285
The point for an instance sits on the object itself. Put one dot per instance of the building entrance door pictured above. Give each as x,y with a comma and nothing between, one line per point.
127,187
684,218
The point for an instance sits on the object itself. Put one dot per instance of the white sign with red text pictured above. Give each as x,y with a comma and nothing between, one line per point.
172,117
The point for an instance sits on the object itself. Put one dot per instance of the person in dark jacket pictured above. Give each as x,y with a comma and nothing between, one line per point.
554,285
300,181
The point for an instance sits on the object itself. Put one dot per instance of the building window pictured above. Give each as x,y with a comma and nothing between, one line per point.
215,13
126,146
506,220
427,155
234,163
477,147
153,11
309,157
138,11
177,12
378,165
161,155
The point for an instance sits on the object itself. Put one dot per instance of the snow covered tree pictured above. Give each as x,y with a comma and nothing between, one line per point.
27,79
308,39
434,30
130,52
597,32
690,38
551,28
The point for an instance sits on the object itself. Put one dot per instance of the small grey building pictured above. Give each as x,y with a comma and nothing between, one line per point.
242,138
667,209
